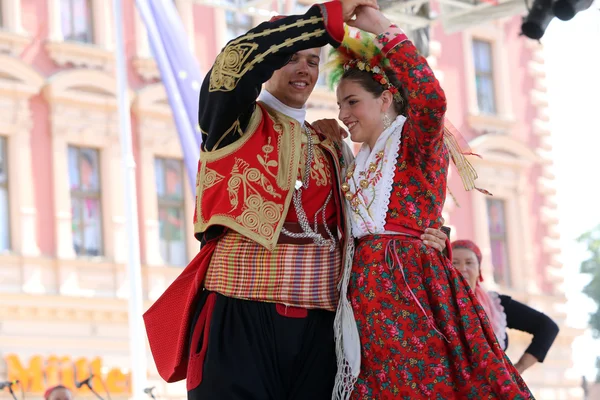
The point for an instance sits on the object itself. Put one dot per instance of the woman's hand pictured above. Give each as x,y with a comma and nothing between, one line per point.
370,20
331,129
434,238
526,361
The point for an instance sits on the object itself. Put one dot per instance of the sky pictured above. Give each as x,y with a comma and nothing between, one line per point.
572,58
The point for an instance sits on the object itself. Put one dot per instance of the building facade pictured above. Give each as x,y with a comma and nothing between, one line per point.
63,280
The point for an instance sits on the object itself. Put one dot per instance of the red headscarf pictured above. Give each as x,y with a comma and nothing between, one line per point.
469,245
489,300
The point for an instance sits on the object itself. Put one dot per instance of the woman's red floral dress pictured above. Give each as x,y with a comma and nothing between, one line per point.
423,334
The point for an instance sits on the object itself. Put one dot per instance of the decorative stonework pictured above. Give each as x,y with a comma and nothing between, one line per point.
13,44
96,55
13,38
18,82
64,310
146,68
546,182
503,171
66,54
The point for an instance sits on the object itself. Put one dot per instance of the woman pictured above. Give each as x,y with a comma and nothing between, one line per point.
504,312
422,335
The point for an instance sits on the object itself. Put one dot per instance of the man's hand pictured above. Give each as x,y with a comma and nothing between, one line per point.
331,129
434,238
349,7
370,19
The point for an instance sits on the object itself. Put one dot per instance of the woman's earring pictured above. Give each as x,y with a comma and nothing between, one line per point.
387,122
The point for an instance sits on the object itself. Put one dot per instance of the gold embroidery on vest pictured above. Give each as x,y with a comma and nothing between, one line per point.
211,178
320,171
244,177
264,161
259,215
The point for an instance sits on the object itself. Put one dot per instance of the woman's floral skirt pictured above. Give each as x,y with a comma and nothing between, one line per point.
423,333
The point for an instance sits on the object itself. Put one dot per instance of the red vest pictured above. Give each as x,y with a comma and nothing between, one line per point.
247,185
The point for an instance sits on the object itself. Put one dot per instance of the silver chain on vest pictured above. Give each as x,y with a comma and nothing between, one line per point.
307,230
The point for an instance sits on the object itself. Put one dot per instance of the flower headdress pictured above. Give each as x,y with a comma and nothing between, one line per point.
361,53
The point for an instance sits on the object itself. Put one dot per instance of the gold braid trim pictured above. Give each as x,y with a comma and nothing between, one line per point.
234,61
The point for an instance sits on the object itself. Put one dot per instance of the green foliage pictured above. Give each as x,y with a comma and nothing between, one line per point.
591,266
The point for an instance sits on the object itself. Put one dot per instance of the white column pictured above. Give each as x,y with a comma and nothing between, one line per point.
12,16
21,145
54,29
116,246
62,192
141,37
103,24
137,342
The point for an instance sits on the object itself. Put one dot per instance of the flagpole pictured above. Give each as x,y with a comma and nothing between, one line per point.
137,338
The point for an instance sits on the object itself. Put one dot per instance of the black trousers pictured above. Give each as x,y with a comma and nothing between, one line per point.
255,352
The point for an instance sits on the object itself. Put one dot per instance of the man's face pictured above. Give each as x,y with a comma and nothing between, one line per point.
293,84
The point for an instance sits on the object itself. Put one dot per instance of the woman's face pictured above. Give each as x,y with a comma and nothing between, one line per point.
360,111
466,263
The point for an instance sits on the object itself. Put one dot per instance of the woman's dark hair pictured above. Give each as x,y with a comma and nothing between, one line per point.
366,80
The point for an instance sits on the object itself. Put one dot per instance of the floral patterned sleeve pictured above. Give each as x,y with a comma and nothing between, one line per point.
426,99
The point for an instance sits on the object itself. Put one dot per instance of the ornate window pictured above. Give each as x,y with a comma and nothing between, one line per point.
168,205
86,210
484,76
487,77
504,224
80,33
76,20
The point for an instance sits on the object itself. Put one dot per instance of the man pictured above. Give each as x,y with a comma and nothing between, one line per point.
264,289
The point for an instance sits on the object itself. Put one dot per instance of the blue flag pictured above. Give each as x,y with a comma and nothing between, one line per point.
180,75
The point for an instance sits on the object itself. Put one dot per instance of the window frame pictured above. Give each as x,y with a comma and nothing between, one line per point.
506,278
503,120
485,74
165,203
83,195
90,26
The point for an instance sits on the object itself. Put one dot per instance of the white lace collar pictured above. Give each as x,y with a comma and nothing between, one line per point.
299,114
370,181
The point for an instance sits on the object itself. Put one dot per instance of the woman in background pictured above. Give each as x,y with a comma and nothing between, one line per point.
503,311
